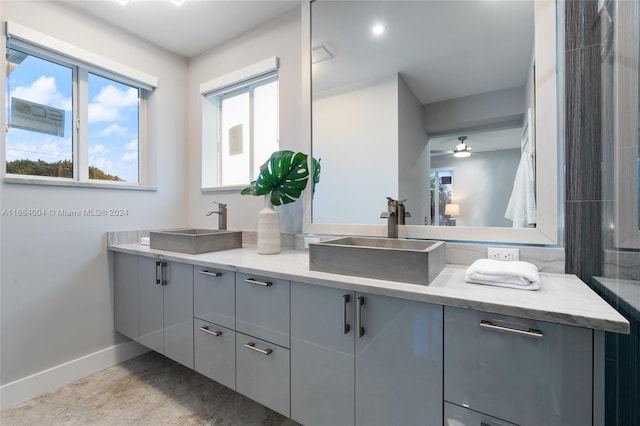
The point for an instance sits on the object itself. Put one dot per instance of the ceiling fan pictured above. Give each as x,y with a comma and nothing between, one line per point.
462,149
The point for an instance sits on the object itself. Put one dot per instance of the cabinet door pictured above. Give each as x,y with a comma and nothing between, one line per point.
262,308
524,371
215,352
125,280
322,348
214,296
459,416
262,373
398,362
151,303
178,313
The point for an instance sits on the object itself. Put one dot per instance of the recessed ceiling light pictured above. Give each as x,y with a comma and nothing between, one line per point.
319,54
122,2
178,2
378,29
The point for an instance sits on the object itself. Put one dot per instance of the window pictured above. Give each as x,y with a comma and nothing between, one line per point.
69,119
240,125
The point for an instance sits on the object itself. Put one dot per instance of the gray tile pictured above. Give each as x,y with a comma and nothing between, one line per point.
147,390
582,239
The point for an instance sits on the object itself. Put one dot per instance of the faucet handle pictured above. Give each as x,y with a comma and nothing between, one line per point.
221,205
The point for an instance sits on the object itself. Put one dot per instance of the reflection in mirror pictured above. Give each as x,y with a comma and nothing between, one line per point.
395,84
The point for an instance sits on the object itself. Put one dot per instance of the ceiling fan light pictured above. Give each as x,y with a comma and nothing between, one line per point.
461,154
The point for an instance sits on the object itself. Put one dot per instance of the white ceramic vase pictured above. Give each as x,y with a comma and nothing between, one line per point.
268,229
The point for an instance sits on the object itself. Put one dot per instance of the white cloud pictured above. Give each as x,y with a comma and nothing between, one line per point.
97,149
43,91
111,96
106,105
114,129
129,156
132,146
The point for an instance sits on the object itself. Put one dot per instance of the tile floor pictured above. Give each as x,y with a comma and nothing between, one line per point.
147,390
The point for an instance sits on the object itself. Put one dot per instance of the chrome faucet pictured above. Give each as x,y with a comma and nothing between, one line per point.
222,215
395,215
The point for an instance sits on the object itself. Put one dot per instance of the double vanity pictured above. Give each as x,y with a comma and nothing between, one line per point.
338,349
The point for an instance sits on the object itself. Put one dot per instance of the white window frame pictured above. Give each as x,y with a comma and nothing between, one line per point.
212,93
82,62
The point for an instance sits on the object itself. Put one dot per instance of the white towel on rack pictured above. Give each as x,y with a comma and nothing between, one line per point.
522,204
501,273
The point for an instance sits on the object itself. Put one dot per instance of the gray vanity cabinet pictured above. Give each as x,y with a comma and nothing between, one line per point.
398,361
215,352
125,279
262,372
166,308
364,359
214,296
519,370
262,308
322,355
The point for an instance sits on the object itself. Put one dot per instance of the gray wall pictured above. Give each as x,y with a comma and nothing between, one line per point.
413,156
56,298
502,108
482,185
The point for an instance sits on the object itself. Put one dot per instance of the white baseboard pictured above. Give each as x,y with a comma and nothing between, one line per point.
51,379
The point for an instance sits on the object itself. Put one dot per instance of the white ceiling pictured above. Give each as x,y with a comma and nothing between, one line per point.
189,29
482,141
443,49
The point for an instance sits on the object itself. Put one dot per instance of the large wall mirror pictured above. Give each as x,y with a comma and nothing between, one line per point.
439,103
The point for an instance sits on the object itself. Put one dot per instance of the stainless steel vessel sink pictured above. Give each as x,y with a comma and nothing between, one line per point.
410,261
195,241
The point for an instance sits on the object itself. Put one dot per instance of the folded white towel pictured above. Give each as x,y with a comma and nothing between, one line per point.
500,273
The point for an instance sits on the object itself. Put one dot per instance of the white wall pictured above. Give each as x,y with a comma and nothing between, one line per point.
413,156
280,37
56,297
482,185
349,152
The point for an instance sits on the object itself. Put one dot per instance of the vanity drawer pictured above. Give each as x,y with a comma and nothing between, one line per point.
524,371
263,371
460,416
214,296
215,352
262,308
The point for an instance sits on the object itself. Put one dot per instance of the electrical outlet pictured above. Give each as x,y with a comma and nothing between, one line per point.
308,240
503,253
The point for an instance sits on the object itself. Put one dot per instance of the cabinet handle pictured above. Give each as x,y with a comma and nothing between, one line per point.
158,273
532,332
345,326
214,332
359,303
210,274
258,282
253,347
164,273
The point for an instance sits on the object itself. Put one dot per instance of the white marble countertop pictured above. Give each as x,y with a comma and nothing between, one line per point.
563,299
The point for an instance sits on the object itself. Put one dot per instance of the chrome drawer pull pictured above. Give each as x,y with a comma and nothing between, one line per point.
253,347
345,326
213,332
158,273
258,282
210,274
532,332
164,273
359,327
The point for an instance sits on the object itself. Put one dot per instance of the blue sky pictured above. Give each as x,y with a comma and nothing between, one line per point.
113,119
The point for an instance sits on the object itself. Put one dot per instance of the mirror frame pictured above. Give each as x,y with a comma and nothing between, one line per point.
546,131
625,125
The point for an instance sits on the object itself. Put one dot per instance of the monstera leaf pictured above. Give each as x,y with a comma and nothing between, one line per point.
284,175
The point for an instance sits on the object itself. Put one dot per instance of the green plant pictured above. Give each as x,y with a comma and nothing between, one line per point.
284,175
